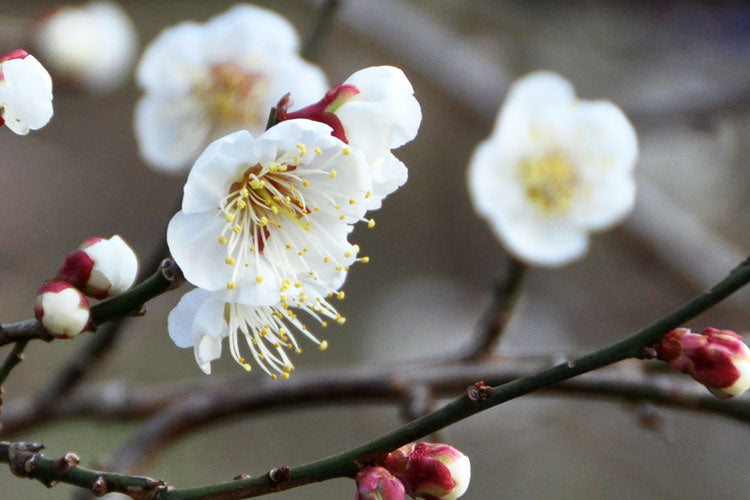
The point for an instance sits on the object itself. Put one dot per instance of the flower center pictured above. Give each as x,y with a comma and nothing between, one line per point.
549,182
271,210
232,95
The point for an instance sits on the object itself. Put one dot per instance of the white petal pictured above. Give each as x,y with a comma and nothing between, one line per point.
222,163
170,131
169,63
550,243
388,174
605,202
181,318
248,26
384,115
207,349
193,241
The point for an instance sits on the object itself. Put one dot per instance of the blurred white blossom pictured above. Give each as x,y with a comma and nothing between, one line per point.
553,169
92,45
203,81
25,92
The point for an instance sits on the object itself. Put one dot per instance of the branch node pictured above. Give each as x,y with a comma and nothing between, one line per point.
62,465
99,487
280,475
571,364
172,273
22,458
649,353
478,391
240,477
148,490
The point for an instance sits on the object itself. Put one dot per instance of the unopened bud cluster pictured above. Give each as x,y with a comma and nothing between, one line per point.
718,359
433,471
99,268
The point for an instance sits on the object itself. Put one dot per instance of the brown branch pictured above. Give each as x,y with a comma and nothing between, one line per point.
23,330
228,398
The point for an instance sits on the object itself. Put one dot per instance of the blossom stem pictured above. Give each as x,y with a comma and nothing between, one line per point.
14,357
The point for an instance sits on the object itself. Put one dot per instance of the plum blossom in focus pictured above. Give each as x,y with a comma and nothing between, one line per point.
101,267
92,45
375,111
203,81
553,169
718,359
61,309
264,229
25,92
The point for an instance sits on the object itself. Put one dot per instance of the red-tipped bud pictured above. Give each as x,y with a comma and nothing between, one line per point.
62,309
101,268
376,483
322,111
433,471
718,359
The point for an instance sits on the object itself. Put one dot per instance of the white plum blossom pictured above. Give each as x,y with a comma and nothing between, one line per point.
553,169
202,320
203,81
375,111
101,267
62,309
25,92
256,212
92,45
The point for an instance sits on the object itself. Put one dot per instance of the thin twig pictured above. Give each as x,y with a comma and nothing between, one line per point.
14,357
493,321
325,18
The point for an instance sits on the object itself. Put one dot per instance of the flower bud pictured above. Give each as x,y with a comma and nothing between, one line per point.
25,92
101,268
434,471
718,359
62,309
376,483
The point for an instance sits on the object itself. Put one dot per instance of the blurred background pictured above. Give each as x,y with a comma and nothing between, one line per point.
680,70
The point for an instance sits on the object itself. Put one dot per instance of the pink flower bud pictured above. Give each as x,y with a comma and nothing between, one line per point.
718,359
434,471
101,268
62,309
376,483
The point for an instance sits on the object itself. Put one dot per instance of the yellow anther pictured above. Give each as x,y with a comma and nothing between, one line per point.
229,261
318,150
274,377
347,254
222,240
252,249
346,151
365,259
230,217
255,184
323,345
342,217
241,204
247,367
356,248
259,279
237,229
288,246
340,295
298,351
275,210
298,284
340,320
346,269
339,268
333,174
306,183
231,285
371,223
316,209
326,260
368,194
324,324
338,207
285,375
245,193
296,159
263,221
352,201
